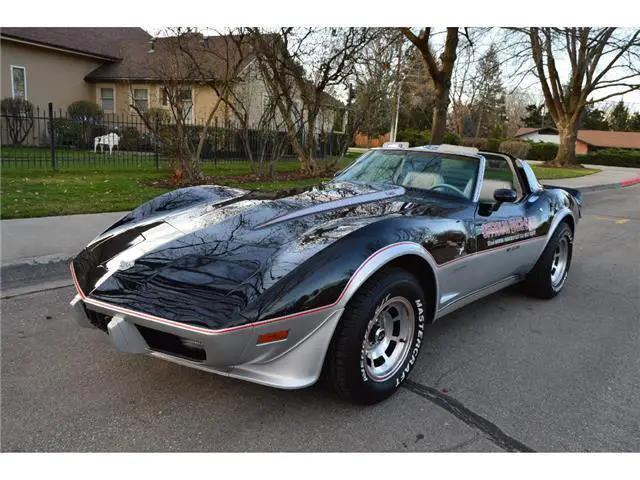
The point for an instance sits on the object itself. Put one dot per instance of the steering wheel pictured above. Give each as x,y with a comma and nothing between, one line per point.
450,187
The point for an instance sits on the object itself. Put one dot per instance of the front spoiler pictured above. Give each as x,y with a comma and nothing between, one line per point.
289,364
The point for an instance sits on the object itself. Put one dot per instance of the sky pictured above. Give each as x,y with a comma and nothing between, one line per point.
530,85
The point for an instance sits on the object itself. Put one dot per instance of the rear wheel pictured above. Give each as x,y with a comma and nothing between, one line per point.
549,275
379,337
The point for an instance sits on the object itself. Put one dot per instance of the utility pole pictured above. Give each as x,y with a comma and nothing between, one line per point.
395,121
394,124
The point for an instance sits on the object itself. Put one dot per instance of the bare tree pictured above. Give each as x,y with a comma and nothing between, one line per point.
301,65
180,61
261,128
440,70
18,114
604,63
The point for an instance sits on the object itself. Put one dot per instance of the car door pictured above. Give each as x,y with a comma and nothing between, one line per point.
507,242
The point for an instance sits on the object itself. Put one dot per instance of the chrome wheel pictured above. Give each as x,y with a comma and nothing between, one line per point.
560,261
387,340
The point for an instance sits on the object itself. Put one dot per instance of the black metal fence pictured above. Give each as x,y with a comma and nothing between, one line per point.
51,139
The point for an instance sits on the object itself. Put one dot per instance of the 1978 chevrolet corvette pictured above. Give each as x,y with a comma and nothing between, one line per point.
338,280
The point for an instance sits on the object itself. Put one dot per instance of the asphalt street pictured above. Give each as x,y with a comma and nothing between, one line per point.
508,373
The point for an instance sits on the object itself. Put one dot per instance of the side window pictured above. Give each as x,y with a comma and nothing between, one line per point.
498,173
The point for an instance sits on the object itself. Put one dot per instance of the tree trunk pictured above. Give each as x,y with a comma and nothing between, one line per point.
566,155
440,115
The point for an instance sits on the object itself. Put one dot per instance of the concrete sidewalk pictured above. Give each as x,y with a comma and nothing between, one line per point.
609,177
49,240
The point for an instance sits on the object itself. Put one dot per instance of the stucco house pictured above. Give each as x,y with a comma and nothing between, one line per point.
587,141
119,67
51,64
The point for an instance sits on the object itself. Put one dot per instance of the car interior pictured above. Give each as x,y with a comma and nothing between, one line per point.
499,173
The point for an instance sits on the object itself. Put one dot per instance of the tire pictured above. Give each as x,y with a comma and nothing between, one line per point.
388,308
545,279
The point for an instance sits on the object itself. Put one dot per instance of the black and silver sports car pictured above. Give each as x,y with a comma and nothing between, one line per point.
338,280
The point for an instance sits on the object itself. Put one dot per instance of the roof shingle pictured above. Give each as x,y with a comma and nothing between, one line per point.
103,42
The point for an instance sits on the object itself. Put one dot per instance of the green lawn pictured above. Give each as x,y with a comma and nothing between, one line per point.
106,188
549,173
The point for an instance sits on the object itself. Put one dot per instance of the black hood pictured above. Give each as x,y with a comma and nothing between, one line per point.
202,255
217,253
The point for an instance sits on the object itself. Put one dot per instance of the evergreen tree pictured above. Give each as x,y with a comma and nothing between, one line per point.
619,117
633,124
535,118
489,110
593,119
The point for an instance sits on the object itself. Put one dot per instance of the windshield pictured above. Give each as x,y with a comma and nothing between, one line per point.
440,172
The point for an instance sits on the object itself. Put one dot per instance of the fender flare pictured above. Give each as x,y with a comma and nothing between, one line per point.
558,218
382,257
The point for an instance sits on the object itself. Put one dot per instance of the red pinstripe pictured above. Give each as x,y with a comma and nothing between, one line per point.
208,331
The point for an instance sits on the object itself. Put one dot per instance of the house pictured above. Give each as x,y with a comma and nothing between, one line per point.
50,64
120,67
591,140
587,141
538,135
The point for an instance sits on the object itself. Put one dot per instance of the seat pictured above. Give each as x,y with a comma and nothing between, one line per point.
423,180
489,187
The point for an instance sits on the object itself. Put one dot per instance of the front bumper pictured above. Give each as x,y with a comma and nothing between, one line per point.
295,362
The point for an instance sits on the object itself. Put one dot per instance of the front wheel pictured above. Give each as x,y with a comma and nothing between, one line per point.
379,337
549,275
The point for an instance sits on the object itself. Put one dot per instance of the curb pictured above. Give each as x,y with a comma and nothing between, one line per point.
609,186
42,260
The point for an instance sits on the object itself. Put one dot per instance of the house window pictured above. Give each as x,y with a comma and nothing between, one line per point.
186,101
107,99
141,99
164,96
18,82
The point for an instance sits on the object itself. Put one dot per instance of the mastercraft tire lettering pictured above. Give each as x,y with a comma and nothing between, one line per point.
379,338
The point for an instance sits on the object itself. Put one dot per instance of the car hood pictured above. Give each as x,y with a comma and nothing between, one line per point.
202,262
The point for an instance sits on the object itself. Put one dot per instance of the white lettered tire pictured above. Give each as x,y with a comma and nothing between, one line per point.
379,337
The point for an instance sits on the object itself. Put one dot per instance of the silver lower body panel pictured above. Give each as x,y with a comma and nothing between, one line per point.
295,362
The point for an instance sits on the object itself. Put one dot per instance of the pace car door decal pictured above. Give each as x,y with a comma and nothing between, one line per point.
503,231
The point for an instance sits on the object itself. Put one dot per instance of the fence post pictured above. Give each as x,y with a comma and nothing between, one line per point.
53,138
155,143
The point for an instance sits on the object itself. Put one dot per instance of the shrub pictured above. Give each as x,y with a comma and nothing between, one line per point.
87,116
517,148
159,114
71,133
18,114
129,138
451,138
414,137
66,132
542,151
493,144
84,111
612,157
477,142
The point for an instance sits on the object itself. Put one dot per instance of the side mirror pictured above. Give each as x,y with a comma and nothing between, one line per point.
505,195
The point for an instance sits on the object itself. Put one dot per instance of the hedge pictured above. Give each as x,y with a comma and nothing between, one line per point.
415,137
542,151
612,157
477,142
493,144
451,138
517,148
